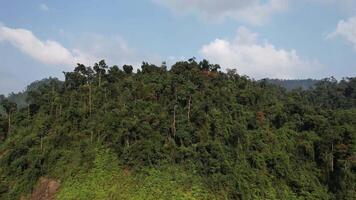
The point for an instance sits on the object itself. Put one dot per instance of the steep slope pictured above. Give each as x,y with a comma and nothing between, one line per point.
190,132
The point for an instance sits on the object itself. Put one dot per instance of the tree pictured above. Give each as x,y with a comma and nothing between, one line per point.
114,74
239,137
204,65
215,67
10,108
100,69
149,68
127,69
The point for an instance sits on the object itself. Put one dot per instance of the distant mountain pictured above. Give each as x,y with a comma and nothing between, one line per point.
20,97
294,84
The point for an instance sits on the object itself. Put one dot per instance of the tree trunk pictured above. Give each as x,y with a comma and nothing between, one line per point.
28,112
332,158
175,94
99,79
9,124
90,99
174,122
41,143
60,109
127,141
189,104
52,102
105,97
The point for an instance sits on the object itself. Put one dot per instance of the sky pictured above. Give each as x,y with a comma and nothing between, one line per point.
287,39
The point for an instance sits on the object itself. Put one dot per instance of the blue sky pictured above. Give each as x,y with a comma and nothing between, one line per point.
260,38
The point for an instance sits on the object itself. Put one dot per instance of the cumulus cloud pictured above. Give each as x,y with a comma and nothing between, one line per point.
44,7
113,49
255,59
339,2
345,6
47,52
346,29
90,48
256,12
251,11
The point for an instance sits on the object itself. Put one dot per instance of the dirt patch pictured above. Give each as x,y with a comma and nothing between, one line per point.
45,189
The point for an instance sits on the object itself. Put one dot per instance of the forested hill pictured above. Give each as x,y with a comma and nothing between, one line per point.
191,132
20,98
294,83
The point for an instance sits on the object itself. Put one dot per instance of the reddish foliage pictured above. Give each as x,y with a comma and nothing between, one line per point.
210,74
261,118
45,189
341,147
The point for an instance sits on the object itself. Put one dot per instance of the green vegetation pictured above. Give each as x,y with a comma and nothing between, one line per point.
294,84
191,132
106,181
20,98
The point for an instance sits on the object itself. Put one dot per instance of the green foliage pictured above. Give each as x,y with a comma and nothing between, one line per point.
105,180
304,84
190,132
128,69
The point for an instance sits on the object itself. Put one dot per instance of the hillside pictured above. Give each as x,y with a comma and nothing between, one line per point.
20,97
191,132
294,83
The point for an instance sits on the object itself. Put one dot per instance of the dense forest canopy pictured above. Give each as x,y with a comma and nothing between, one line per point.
291,84
190,132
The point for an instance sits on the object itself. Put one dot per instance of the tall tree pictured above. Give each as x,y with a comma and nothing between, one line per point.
127,69
10,108
100,69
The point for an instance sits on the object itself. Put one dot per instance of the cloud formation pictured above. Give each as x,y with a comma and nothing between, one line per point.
91,48
114,49
47,52
346,29
44,7
343,3
255,59
252,11
255,12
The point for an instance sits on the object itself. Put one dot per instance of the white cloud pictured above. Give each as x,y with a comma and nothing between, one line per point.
346,30
89,49
256,12
114,49
44,7
345,6
257,60
251,11
47,52
339,2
